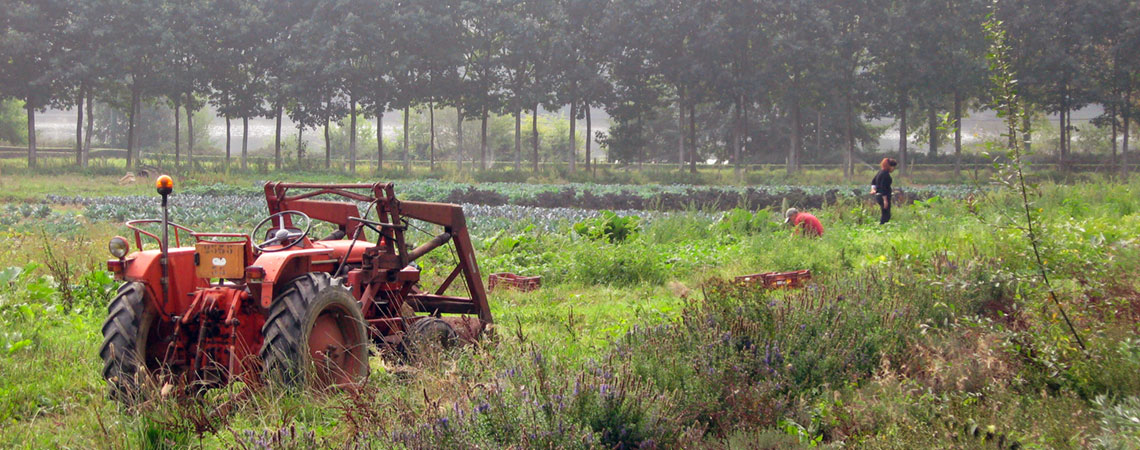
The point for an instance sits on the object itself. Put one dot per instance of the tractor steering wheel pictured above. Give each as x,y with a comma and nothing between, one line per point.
281,235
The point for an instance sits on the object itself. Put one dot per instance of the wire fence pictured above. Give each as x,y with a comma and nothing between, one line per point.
62,157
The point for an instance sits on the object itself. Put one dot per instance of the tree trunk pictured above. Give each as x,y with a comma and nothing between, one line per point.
79,129
819,132
189,133
1112,118
589,137
1127,127
90,128
277,138
300,147
1027,131
744,131
328,143
796,139
518,139
244,142
572,158
680,129
640,153
1066,126
407,154
131,126
848,137
138,113
957,133
1068,134
902,132
115,117
458,139
178,131
932,125
431,138
736,138
1061,139
228,139
692,137
534,135
380,140
32,132
483,140
352,135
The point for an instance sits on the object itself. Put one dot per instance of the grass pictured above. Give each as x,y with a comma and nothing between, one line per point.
930,332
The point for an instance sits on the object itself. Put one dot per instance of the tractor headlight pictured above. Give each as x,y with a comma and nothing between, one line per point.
118,247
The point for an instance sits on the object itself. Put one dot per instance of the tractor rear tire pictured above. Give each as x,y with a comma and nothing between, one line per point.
125,332
315,335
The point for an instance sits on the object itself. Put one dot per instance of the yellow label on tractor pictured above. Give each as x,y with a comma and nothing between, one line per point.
220,260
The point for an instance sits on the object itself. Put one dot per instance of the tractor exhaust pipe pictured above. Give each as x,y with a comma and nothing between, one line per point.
165,185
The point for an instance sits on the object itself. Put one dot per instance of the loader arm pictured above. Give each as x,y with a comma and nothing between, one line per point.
451,218
392,255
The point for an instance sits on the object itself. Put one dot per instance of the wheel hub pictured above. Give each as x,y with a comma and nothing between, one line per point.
329,349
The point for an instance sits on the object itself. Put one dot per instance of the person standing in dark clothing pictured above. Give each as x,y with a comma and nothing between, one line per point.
881,188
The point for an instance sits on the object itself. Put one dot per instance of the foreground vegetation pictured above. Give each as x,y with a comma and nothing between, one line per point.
931,332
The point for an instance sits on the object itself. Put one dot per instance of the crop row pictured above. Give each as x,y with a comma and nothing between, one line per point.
489,206
226,213
675,197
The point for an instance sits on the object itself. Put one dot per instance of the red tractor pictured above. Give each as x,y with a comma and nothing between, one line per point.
280,304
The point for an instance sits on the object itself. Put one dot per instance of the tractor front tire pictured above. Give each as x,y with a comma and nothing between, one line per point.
125,332
427,335
314,336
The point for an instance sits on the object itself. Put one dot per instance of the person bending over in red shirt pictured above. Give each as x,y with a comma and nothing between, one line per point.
803,222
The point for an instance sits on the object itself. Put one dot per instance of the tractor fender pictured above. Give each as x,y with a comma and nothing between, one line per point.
284,266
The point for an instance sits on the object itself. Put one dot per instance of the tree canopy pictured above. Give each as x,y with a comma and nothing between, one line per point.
683,81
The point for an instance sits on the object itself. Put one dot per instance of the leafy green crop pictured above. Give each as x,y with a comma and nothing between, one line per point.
609,226
740,221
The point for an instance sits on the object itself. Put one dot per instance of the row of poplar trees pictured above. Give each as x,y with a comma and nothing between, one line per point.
736,80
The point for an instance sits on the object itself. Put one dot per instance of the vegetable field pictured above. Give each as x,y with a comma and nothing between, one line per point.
933,331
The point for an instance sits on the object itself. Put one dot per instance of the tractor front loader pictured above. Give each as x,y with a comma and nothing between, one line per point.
281,305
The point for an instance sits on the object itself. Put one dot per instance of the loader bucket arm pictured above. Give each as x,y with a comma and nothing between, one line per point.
391,215
451,218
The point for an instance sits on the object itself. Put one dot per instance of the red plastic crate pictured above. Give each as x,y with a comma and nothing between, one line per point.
777,280
512,281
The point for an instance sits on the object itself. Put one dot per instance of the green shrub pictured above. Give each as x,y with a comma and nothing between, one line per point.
1119,423
13,122
1110,368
